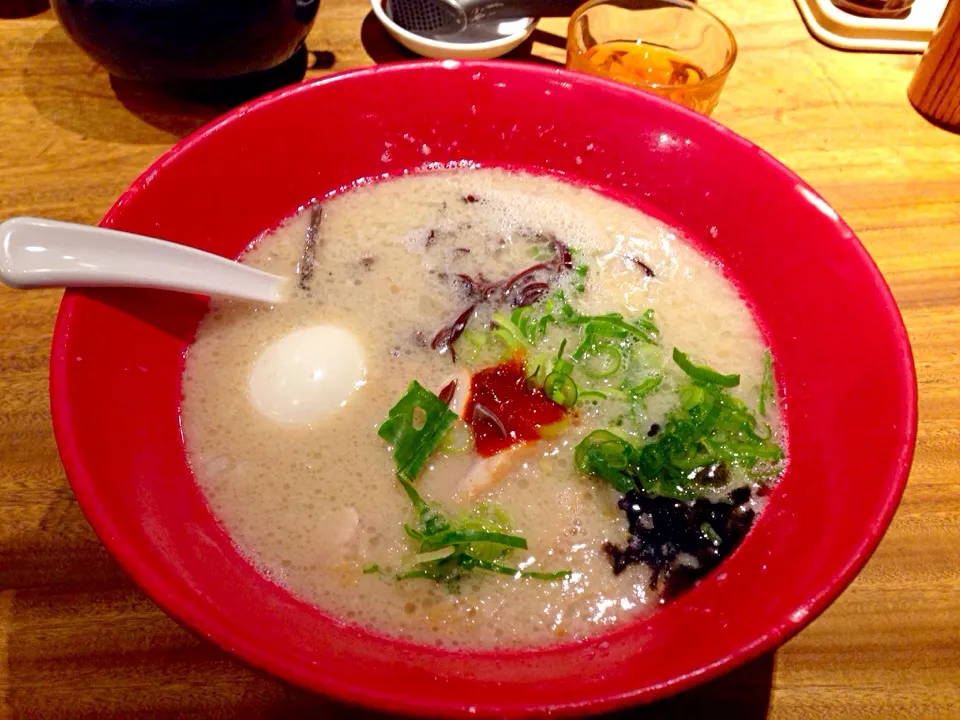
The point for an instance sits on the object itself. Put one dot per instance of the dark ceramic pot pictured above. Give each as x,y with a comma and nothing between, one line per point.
174,40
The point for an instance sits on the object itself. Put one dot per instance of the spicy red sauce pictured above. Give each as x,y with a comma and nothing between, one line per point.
503,411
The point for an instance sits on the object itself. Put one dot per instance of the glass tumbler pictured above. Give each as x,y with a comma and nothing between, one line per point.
669,47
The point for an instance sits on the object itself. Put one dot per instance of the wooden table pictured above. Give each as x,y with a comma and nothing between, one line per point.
78,639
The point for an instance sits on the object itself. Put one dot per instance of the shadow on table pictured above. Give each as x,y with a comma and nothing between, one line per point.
75,93
379,45
13,9
384,49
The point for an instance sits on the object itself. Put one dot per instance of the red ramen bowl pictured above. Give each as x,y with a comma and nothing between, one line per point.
842,353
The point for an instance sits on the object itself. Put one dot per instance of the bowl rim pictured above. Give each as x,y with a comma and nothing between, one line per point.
190,611
394,28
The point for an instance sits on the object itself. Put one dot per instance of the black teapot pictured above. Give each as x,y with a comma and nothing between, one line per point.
177,40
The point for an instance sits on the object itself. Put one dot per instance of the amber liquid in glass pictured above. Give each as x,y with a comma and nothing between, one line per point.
651,67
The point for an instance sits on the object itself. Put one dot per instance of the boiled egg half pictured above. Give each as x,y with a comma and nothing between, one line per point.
307,374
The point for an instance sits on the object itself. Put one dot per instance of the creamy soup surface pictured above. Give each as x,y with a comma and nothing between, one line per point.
318,508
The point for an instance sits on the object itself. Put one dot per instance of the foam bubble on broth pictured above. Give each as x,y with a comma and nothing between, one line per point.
312,507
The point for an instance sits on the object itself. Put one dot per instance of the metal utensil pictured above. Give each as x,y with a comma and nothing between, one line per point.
436,18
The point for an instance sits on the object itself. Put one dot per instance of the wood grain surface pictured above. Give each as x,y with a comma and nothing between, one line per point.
77,639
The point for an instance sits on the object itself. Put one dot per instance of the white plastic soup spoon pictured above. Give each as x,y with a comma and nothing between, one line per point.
38,253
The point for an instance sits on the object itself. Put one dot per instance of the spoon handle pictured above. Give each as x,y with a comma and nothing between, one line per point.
514,9
46,253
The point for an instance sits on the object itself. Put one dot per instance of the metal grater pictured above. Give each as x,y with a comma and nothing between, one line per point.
426,17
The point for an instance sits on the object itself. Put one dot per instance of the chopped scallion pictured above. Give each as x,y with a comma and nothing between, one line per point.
561,388
446,550
434,555
507,331
452,537
415,426
767,391
473,562
710,534
588,394
646,386
702,373
603,360
709,429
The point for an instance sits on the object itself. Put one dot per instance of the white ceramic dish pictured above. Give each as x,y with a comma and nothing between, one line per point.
833,26
429,48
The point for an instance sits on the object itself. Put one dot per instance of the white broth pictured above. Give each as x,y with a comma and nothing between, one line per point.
318,507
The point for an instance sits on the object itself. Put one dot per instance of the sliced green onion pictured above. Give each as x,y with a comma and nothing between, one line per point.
559,365
517,315
541,575
531,328
604,360
370,569
476,338
690,463
521,318
543,322
607,325
431,519
509,333
704,374
646,386
564,367
710,534
442,552
587,394
614,394
434,555
613,325
472,562
767,392
560,388
451,537
646,322
536,368
415,426
692,396
607,455
459,438
605,328
763,452
765,435
582,348
648,356
435,574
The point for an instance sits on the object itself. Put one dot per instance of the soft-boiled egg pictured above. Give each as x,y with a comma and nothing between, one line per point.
307,374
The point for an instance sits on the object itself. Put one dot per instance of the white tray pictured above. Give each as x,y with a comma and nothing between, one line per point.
833,26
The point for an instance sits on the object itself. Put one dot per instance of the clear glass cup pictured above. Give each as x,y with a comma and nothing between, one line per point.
669,47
